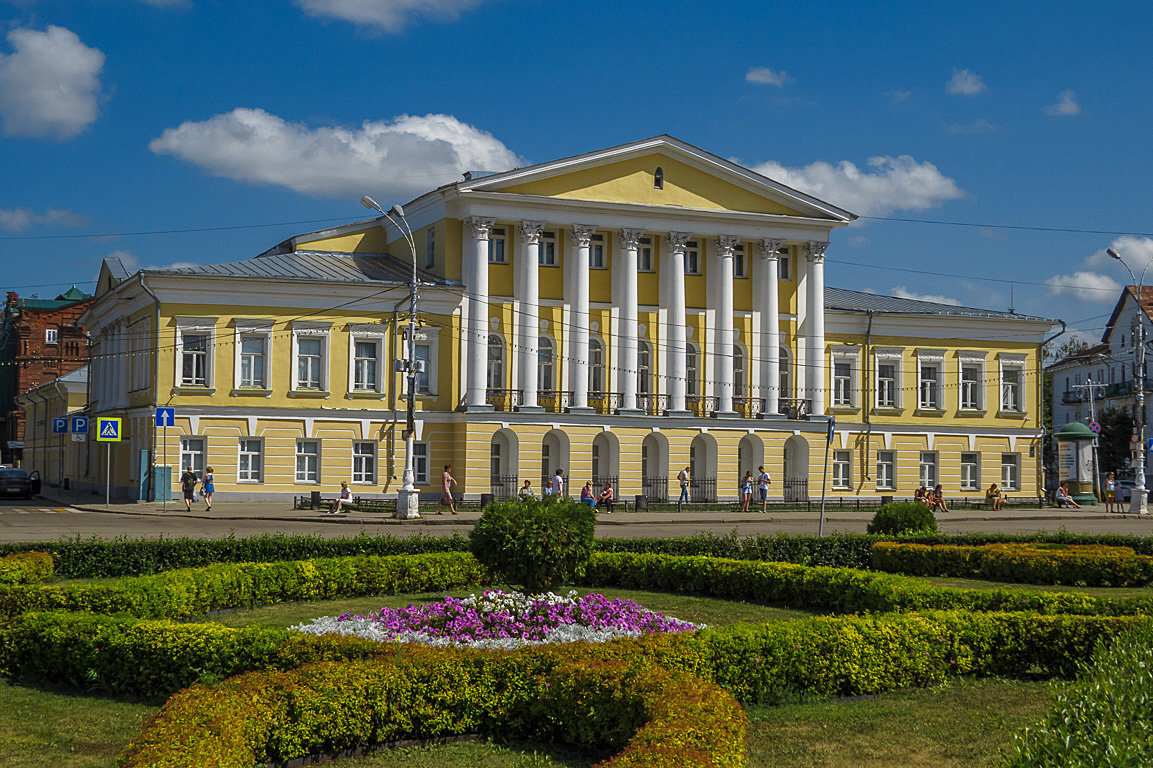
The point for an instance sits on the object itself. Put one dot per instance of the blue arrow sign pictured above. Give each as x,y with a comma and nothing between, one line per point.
80,425
166,417
59,426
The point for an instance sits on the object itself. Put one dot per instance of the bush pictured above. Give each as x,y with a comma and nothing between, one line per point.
26,568
535,543
903,517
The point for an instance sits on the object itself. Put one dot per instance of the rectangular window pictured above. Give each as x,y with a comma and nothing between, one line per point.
1011,471
886,385
430,248
783,264
970,472
364,372
740,265
192,455
886,470
423,354
692,258
252,361
930,396
645,255
842,383
928,468
497,238
251,461
308,461
420,463
971,387
547,254
364,462
194,360
841,469
597,253
1011,390
309,362
51,335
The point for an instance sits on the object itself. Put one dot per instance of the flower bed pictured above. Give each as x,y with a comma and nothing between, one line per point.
503,620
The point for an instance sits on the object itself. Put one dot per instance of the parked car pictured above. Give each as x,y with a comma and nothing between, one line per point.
15,482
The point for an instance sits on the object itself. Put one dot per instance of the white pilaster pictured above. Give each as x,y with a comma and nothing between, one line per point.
723,350
476,254
580,236
673,269
528,324
770,326
816,304
625,302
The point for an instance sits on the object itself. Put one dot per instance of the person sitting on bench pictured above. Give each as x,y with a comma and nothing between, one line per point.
605,499
343,501
994,497
1064,499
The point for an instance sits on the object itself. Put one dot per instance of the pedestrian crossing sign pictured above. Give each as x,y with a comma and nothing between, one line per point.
108,430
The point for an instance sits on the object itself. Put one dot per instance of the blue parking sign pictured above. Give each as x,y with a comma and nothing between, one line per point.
59,426
80,425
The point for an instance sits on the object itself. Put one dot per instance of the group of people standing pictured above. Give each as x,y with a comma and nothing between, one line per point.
762,482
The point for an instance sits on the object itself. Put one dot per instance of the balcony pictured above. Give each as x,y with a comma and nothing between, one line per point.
554,400
700,405
749,407
652,404
605,403
795,407
506,400
1072,397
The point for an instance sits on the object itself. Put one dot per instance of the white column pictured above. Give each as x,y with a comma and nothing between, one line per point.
770,326
673,268
528,323
723,351
580,236
625,302
816,306
476,253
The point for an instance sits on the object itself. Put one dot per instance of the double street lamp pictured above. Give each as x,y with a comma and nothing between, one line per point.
407,498
1139,503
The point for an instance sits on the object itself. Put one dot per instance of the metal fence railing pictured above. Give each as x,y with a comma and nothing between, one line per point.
656,489
503,486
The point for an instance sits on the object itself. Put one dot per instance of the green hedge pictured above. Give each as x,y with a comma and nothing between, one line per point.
1079,565
26,568
654,717
1105,718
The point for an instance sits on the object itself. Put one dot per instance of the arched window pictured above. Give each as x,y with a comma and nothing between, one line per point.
495,361
545,364
644,367
659,178
596,365
692,369
738,371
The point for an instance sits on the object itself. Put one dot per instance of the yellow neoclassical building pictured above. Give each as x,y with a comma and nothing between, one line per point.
619,316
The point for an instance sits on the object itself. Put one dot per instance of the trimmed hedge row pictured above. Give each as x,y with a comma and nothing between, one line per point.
1090,565
657,717
1105,718
26,568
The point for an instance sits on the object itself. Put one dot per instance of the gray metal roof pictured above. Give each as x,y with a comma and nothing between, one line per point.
314,265
859,301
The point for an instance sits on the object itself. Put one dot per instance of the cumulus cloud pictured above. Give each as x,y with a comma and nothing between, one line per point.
965,83
888,184
1066,105
19,219
132,264
896,97
1090,286
901,292
766,76
402,158
1101,277
858,241
388,15
977,126
49,84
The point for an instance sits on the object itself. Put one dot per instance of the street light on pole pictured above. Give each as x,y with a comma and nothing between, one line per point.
1139,503
407,498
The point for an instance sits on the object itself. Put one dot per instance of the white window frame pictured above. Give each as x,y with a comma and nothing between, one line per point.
1011,479
842,470
497,381
693,257
498,245
1016,364
304,477
692,368
936,360
52,336
928,464
542,363
970,471
428,338
430,248
420,462
886,470
199,457
243,448
845,388
975,361
598,244
783,265
312,331
740,370
251,328
198,326
894,358
645,255
547,252
597,367
364,463
740,262
377,334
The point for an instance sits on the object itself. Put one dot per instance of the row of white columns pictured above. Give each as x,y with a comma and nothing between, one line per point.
625,312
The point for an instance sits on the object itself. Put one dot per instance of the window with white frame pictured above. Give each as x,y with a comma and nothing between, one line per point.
494,460
310,357
786,363
783,270
494,378
842,382
193,454
929,382
739,370
253,359
692,369
928,468
51,335
886,470
645,255
364,462
308,461
420,463
430,248
425,350
596,365
598,259
546,256
545,364
422,350
250,462
1011,471
692,258
888,367
971,375
970,471
366,365
842,468
497,245
1012,391
740,263
644,366
194,348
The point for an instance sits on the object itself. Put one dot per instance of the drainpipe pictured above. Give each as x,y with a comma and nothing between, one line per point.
866,402
1041,406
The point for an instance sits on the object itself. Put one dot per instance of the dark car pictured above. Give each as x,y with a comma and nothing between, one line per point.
15,482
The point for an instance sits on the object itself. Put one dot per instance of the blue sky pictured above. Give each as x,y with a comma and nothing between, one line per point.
217,118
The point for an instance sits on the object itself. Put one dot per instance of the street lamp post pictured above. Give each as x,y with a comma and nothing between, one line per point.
407,498
1139,503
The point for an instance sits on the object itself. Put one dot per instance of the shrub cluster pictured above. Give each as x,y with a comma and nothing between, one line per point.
26,568
657,717
903,517
1105,718
535,543
1089,565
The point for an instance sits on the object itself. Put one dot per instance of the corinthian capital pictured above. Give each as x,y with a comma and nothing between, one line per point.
771,249
677,241
630,237
725,245
530,232
816,250
479,228
580,235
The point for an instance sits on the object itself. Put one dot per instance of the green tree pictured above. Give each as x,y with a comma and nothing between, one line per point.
1113,442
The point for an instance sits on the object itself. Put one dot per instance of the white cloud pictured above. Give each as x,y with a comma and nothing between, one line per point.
1101,277
389,15
132,264
1066,105
858,241
980,125
901,292
896,97
49,84
1089,286
766,76
889,184
965,83
19,219
397,159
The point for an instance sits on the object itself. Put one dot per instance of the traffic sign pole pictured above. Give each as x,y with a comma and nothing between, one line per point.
164,417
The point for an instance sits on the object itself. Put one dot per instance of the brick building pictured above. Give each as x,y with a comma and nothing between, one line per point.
39,340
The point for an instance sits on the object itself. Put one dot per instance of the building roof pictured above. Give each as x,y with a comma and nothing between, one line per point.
313,265
1087,355
1144,300
72,296
859,301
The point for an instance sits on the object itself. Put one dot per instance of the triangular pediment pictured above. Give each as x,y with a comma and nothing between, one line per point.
689,178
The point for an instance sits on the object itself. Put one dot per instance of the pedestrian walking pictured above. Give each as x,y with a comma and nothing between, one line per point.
447,481
557,483
188,486
208,488
683,477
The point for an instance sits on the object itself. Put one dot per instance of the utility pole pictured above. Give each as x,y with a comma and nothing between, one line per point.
1091,388
1139,504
